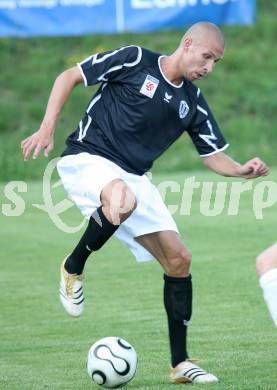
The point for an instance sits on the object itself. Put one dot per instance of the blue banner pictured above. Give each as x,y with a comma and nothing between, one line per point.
25,18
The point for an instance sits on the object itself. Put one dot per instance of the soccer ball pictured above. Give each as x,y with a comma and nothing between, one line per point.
112,362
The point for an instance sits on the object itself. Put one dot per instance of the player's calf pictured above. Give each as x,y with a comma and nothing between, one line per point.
178,306
97,233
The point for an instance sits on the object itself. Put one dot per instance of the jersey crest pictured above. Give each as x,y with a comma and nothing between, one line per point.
149,86
183,109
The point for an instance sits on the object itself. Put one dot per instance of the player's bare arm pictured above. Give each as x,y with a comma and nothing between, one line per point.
44,137
224,165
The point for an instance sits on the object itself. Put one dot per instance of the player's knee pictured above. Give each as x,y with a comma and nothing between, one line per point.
118,201
179,263
128,204
260,264
264,263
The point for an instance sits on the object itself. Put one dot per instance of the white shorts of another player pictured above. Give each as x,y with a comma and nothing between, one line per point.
84,176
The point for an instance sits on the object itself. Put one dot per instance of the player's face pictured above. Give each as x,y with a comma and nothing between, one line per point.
199,58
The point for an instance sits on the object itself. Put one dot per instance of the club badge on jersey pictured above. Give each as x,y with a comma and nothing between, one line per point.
183,109
149,86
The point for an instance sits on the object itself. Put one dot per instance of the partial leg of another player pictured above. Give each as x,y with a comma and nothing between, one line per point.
266,266
118,203
175,259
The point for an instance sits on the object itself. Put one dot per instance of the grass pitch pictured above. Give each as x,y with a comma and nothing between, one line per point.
231,331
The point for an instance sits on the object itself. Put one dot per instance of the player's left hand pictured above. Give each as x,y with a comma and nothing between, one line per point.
40,140
254,168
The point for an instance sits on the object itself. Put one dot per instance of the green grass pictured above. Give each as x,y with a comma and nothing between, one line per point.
241,91
231,330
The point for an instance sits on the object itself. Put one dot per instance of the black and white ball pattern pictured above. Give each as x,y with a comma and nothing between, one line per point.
112,362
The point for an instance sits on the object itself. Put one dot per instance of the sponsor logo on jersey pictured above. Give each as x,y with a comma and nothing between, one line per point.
149,86
167,97
183,109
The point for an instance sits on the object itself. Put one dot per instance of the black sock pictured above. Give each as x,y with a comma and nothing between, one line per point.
98,231
178,305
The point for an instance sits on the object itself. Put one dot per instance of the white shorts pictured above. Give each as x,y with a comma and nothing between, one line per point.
84,176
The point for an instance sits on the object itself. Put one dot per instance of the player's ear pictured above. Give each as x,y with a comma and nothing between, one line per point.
186,43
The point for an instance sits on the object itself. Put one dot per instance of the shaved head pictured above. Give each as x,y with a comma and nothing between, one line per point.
201,47
200,31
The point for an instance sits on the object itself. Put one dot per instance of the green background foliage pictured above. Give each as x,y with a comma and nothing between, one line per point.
241,92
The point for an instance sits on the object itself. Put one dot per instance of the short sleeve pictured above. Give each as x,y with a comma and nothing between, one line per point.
204,130
109,65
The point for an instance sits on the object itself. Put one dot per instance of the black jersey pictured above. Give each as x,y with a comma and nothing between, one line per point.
137,113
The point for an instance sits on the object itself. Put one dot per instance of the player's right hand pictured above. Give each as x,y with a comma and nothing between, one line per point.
254,168
37,141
